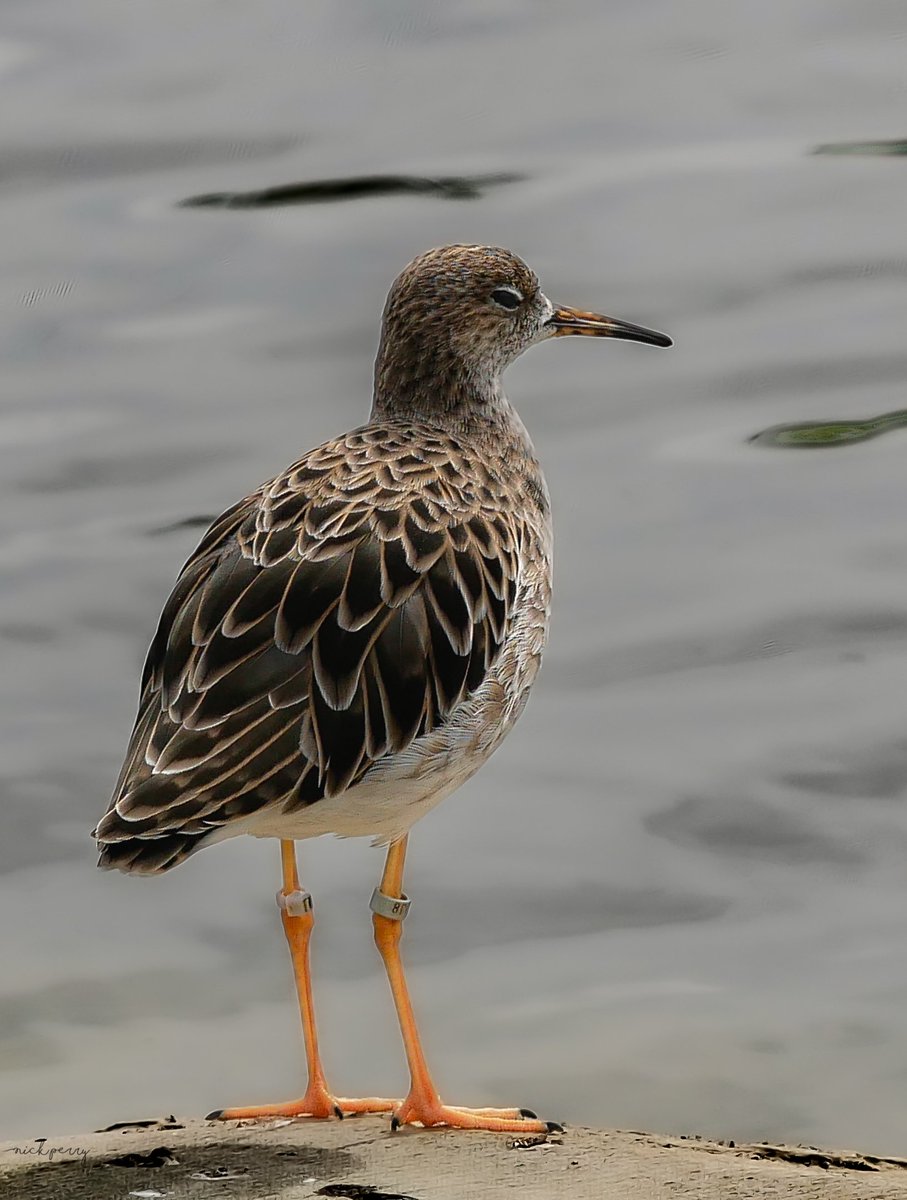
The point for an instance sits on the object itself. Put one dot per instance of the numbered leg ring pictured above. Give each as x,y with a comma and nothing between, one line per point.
394,908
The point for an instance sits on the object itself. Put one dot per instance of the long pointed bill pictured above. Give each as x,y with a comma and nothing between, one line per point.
567,322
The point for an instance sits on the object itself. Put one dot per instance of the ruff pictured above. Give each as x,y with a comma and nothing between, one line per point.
349,643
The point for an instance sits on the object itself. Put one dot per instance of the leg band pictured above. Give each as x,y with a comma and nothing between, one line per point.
296,904
394,908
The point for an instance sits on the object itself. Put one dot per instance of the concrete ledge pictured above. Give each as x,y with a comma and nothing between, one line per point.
361,1160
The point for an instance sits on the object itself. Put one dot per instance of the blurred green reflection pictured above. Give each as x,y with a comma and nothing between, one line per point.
815,434
898,146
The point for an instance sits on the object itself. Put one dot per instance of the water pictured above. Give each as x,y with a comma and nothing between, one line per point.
675,898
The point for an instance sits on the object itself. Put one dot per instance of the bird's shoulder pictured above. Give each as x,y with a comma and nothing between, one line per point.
382,474
386,501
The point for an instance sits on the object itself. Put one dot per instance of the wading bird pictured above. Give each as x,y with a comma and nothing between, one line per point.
350,643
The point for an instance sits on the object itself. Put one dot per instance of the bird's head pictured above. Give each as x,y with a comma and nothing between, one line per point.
466,312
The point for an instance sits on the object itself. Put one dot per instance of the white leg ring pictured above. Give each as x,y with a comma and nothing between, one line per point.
295,904
394,908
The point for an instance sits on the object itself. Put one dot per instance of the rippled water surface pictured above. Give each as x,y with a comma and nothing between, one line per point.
676,898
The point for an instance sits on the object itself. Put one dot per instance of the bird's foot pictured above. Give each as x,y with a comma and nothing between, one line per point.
317,1103
428,1111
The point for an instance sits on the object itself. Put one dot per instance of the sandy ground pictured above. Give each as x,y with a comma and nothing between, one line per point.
360,1159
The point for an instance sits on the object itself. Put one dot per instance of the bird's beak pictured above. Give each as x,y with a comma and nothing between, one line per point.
567,322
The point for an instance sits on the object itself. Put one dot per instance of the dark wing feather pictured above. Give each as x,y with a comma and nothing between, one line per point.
319,626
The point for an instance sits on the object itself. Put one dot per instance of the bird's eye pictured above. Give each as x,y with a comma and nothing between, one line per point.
507,297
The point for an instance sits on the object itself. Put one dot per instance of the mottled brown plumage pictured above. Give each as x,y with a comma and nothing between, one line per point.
334,616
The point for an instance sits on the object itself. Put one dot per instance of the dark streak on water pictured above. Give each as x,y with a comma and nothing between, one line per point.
200,522
322,191
742,826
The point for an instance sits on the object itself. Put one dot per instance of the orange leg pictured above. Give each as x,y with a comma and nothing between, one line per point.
423,1105
297,917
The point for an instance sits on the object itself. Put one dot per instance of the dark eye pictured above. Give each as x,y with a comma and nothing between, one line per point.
507,297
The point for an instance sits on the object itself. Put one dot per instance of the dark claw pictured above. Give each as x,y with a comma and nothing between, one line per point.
553,1127
338,1112
528,1114
395,1124
217,1115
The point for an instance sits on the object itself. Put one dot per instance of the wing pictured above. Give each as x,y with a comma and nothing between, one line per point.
331,618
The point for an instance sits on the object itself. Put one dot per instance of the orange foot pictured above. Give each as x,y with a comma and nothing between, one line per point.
417,1110
317,1103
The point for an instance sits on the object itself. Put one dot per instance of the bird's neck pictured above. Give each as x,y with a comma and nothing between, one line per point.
435,387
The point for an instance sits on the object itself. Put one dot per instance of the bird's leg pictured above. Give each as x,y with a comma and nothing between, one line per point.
423,1104
296,914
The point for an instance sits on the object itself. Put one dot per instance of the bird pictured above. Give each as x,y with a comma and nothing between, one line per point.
349,643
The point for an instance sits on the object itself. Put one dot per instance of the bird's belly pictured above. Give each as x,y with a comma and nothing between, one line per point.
401,788
382,806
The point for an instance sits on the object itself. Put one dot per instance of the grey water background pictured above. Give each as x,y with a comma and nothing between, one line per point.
676,897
